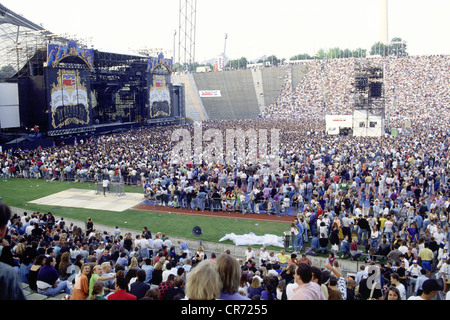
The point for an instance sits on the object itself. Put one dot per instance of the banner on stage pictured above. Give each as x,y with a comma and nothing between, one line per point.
159,97
69,102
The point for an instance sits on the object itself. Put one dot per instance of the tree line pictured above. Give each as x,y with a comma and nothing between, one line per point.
396,47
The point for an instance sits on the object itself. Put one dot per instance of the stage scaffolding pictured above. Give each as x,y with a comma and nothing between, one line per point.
369,99
21,40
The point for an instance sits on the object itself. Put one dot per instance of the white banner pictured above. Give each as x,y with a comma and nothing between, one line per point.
210,93
159,95
64,98
219,63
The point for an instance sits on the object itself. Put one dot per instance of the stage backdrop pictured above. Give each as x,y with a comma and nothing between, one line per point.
68,98
166,100
159,96
67,79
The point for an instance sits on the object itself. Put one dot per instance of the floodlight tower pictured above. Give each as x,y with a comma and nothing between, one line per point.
384,31
186,34
384,38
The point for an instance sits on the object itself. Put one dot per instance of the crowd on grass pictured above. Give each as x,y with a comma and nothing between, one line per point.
385,199
62,260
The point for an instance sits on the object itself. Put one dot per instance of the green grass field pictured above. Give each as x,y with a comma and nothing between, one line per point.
18,192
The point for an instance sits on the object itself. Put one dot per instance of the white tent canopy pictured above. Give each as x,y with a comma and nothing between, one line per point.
367,125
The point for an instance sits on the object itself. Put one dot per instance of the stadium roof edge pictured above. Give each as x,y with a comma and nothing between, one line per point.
8,16
121,52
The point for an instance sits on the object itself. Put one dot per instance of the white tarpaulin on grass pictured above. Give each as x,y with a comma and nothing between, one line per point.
252,239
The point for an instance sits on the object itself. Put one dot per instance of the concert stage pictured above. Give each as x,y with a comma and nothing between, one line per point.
90,199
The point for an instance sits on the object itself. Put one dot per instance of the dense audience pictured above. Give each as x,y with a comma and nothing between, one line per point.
416,88
384,199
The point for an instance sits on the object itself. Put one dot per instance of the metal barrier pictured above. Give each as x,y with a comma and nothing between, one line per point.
231,205
115,188
99,188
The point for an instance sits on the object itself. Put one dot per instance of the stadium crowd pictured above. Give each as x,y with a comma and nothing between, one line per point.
58,259
415,88
385,197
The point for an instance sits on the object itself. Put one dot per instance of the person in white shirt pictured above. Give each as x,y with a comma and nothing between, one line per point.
263,256
157,243
401,288
432,229
413,272
273,258
105,185
361,274
34,219
326,219
249,254
386,211
167,242
286,204
403,259
170,269
290,289
347,223
271,271
388,225
430,289
439,236
144,248
24,217
444,270
357,211
117,232
29,229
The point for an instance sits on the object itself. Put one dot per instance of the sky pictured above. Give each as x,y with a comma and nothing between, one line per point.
254,28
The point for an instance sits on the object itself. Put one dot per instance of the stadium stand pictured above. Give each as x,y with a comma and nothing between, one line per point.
238,95
272,79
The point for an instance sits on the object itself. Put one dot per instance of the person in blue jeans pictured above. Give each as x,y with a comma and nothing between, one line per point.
305,230
315,245
374,237
201,199
47,279
298,241
323,243
312,224
345,247
364,228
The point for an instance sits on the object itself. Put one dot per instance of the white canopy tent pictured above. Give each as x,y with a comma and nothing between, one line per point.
367,125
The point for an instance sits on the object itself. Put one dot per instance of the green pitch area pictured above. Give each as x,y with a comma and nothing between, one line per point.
18,193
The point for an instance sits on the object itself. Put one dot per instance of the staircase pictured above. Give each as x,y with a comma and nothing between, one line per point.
194,106
258,83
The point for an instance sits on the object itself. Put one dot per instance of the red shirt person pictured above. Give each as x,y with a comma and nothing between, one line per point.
121,291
